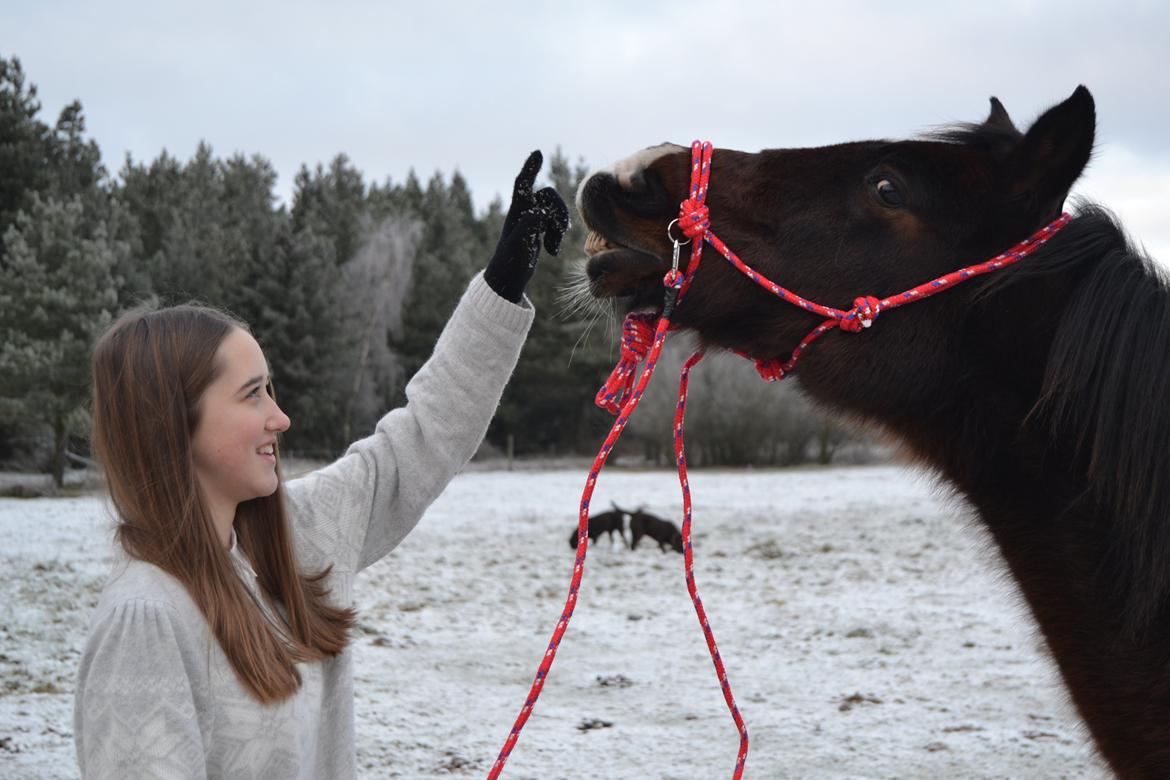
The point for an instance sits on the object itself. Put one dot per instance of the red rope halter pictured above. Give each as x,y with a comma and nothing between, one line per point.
643,336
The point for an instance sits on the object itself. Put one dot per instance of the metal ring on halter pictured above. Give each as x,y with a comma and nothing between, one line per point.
671,238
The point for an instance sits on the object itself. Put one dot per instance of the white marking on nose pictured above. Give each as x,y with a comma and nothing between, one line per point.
626,170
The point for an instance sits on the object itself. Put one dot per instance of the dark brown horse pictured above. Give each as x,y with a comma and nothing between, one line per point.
1039,391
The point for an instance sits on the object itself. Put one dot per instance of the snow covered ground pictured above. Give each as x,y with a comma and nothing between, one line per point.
867,629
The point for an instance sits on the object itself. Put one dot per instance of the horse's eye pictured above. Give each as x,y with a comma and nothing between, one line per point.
889,193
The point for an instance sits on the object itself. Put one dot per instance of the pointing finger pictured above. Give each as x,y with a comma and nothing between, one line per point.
522,191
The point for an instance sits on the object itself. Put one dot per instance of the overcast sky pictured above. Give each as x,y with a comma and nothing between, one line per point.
437,85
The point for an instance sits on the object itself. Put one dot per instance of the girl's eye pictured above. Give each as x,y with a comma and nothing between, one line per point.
254,392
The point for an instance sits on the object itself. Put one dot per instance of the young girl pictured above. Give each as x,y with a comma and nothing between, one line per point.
220,645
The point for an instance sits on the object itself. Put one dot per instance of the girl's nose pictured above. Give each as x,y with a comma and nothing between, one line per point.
279,421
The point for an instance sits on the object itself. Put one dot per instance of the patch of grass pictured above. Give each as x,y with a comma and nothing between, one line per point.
768,550
47,687
26,491
857,699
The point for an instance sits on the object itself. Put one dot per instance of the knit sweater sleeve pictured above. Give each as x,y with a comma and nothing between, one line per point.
135,713
354,511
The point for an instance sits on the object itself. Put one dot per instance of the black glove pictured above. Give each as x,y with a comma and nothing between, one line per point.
529,216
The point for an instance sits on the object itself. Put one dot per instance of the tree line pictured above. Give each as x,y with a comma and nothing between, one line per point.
346,289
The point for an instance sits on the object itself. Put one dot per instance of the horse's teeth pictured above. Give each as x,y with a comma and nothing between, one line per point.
595,243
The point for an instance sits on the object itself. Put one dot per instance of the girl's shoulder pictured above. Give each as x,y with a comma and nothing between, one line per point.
146,639
134,582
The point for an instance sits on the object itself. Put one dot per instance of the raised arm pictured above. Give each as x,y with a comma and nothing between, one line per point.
356,510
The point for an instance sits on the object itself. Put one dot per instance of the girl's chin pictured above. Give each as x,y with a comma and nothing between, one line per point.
265,489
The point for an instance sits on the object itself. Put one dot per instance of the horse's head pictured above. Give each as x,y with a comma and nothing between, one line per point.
834,223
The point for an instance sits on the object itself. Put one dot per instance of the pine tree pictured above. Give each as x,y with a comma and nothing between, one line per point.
75,163
58,291
412,192
294,315
25,144
451,249
252,223
206,226
333,204
55,202
189,254
77,172
151,194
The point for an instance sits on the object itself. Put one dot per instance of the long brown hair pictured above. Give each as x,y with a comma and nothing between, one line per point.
149,373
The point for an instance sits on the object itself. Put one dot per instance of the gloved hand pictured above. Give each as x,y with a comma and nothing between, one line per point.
529,216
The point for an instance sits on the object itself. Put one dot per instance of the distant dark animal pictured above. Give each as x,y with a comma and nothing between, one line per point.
662,531
606,522
1041,392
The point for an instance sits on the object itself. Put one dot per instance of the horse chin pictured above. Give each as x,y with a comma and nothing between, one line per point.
649,301
631,276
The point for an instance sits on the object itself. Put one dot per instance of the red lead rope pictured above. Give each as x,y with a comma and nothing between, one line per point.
582,544
643,336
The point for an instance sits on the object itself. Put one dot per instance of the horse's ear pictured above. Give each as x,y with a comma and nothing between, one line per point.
998,118
1054,152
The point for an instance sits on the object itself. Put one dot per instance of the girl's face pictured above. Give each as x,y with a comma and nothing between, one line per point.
238,422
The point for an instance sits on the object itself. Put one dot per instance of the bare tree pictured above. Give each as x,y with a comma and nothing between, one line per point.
375,282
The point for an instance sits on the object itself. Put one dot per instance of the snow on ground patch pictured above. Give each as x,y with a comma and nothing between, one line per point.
867,630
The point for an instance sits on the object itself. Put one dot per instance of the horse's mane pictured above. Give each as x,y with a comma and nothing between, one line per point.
974,134
1104,390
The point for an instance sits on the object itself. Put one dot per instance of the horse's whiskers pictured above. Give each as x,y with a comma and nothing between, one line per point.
577,304
574,298
584,335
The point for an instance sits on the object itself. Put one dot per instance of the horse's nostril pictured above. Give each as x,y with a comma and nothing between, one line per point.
598,266
594,271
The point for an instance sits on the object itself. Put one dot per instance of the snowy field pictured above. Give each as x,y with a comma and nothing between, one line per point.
867,629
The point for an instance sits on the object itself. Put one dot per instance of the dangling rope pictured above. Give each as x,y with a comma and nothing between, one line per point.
630,404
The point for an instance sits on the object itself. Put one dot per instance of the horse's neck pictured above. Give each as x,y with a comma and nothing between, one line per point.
1053,542
1054,553
1089,328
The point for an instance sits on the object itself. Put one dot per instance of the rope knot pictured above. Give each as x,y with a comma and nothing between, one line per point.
865,310
693,218
637,338
770,370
